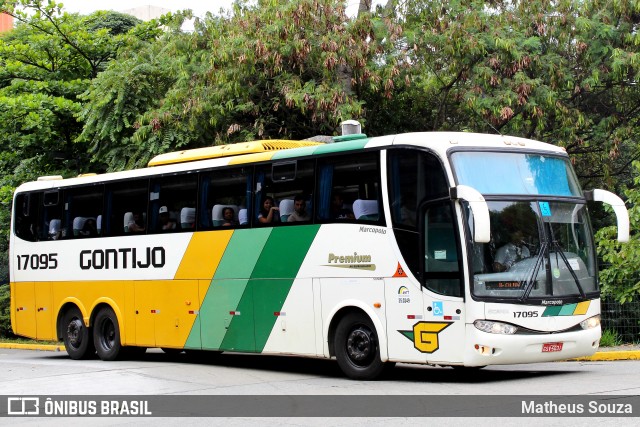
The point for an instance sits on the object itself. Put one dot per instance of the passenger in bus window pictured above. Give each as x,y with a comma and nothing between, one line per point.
136,224
338,211
300,213
228,217
509,254
89,228
269,212
166,223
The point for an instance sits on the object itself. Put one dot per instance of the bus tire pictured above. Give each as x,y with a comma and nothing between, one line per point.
357,348
106,334
76,336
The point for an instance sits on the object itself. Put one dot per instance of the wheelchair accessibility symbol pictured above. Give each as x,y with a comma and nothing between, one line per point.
438,309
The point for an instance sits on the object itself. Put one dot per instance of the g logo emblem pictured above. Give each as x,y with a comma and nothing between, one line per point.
425,335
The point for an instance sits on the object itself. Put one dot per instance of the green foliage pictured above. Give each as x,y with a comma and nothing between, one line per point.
5,311
46,62
562,72
610,338
273,70
621,277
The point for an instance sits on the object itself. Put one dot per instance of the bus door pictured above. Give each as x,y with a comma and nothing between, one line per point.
442,332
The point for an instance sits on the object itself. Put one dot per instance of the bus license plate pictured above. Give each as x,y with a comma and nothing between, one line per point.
549,347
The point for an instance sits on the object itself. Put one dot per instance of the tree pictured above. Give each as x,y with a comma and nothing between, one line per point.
47,61
267,71
562,72
620,278
5,307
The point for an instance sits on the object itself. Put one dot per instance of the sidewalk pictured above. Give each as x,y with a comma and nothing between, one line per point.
622,352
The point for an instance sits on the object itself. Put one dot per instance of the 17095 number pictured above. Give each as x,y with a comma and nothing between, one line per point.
38,262
525,314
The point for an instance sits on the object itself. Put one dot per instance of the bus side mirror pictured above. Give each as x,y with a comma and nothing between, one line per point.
481,224
622,215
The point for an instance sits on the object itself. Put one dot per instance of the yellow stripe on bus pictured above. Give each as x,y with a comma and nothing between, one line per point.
581,308
203,255
251,158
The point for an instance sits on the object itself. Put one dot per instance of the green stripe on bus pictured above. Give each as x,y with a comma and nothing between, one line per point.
551,311
567,310
342,146
239,334
223,296
270,283
284,252
295,152
242,253
218,310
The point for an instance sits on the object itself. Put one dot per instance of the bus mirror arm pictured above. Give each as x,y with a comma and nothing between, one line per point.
622,215
481,224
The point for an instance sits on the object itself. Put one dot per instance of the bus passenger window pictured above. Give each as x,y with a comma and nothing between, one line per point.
223,196
172,203
82,207
284,193
349,188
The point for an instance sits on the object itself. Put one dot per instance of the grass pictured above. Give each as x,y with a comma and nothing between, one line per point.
610,338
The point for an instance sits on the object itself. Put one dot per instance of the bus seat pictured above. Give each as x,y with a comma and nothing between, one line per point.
188,218
78,223
216,214
128,217
243,218
99,224
54,229
366,210
286,209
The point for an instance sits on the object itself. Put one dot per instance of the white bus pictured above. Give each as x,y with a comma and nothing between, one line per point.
454,249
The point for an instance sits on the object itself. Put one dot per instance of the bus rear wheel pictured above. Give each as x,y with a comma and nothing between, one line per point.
76,336
357,349
106,335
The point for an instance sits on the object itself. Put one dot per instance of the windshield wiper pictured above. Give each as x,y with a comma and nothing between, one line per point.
534,275
566,262
558,249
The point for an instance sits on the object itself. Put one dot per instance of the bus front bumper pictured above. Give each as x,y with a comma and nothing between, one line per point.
483,348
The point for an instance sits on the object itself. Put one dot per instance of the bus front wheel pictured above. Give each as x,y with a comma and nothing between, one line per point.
357,349
76,336
106,334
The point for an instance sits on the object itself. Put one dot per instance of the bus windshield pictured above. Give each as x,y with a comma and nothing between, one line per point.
538,250
515,173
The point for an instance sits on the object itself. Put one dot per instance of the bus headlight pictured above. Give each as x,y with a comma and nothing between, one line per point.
495,327
590,323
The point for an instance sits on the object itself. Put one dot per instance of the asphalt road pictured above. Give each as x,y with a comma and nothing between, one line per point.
24,372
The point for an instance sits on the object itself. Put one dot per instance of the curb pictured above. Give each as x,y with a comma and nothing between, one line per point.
41,347
611,355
